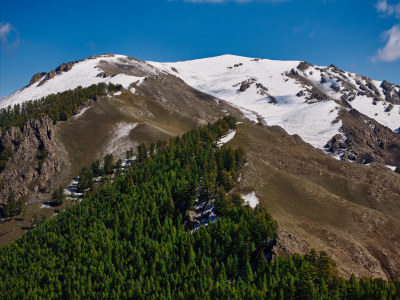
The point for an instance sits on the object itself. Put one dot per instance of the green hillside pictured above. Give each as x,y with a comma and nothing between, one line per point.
130,239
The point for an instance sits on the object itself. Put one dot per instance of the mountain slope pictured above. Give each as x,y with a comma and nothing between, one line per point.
302,98
307,191
349,210
307,100
129,239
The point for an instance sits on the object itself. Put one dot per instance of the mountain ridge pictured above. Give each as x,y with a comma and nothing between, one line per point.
304,99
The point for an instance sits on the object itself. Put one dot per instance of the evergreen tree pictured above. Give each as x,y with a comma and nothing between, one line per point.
58,196
109,164
85,180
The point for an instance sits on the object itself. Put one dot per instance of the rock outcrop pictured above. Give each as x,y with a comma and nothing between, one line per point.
364,140
391,91
38,162
304,65
35,78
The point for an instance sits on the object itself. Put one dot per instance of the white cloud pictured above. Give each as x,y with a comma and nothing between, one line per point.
5,30
9,37
388,9
391,51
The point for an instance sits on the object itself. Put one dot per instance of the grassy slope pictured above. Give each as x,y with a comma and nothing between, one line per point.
163,106
351,210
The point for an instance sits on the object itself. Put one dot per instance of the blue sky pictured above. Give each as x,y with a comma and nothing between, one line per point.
361,36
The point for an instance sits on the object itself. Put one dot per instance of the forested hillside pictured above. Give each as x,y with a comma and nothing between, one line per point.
59,107
129,238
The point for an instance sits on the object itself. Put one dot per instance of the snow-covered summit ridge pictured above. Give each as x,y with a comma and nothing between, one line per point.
302,98
117,69
298,96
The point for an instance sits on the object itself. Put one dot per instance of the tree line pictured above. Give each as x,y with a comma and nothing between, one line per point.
59,107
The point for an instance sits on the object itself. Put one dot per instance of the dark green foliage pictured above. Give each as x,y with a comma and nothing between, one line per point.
97,169
85,180
41,156
59,107
129,153
114,88
127,240
5,154
118,167
13,207
58,196
397,170
142,153
109,164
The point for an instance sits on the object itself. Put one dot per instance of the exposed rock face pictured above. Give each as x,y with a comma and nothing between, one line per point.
244,86
336,143
49,75
312,93
344,86
64,67
365,140
37,162
36,77
304,66
391,91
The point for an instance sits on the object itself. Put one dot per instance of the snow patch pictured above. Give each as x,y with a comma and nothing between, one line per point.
119,136
46,205
391,167
83,110
251,199
226,138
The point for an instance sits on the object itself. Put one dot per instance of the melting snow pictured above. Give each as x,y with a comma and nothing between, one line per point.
226,138
120,136
83,110
46,205
391,167
251,199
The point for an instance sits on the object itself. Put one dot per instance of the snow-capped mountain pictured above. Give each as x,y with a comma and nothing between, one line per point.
117,69
311,101
302,98
349,209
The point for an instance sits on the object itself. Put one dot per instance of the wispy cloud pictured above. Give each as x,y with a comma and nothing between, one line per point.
388,9
9,38
391,51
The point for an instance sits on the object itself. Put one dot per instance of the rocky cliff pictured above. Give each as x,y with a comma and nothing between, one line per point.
37,162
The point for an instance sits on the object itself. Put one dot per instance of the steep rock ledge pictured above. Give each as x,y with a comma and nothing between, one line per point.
38,163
